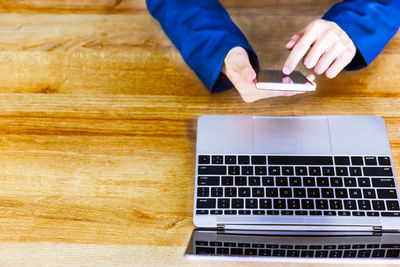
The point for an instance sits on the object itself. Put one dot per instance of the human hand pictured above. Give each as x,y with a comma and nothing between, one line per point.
325,46
239,71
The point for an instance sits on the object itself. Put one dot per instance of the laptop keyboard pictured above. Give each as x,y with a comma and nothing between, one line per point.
296,185
290,250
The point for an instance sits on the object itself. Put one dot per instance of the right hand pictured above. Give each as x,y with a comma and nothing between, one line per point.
239,71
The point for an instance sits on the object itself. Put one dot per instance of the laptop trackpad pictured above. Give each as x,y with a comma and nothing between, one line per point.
291,135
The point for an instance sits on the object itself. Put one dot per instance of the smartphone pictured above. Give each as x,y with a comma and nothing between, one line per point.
277,81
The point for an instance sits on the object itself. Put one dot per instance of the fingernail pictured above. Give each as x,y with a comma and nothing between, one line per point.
286,69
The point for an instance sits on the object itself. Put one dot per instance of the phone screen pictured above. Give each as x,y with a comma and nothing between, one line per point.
276,80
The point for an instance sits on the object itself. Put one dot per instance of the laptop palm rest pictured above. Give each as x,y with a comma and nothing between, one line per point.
292,135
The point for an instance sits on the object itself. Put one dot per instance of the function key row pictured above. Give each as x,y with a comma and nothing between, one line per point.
290,170
294,160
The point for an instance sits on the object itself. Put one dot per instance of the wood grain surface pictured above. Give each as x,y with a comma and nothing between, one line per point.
98,124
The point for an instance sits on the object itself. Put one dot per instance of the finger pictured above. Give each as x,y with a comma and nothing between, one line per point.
310,77
337,66
326,60
298,51
319,47
293,40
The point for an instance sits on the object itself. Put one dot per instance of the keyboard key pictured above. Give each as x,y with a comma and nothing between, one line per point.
216,192
327,192
227,180
300,160
230,191
268,181
293,204
224,203
344,213
336,204
342,161
358,213
244,212
230,159
222,251
265,203
299,192
350,204
378,204
271,192
313,192
301,171
258,245
216,212
237,203
369,193
287,170
370,161
272,170
342,171
206,203
349,253
254,181
357,161
321,204
372,213
244,160
336,181
301,212
260,170
216,244
258,160
201,212
321,254
240,180
387,193
335,254
329,213
392,205
204,159
264,252
233,170
281,181
230,212
377,171
308,181
384,161
251,203
390,214
316,171
247,170
293,253
285,192
279,204
278,253
392,253
208,180
236,251
307,204
273,212
286,212
364,182
315,212
328,171
229,244
355,171
244,192
250,251
307,253
217,160
322,181
258,192
205,250
364,204
295,181
355,193
350,182
383,182
243,245
203,191
216,170
341,193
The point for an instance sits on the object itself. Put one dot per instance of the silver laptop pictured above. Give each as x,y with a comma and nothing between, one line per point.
258,175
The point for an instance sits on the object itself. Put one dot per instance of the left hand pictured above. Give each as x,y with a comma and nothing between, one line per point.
325,47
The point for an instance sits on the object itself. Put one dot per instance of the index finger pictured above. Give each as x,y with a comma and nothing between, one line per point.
298,51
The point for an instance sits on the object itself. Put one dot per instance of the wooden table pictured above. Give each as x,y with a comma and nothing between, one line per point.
98,125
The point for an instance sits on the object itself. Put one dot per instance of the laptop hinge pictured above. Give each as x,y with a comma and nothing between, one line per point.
298,228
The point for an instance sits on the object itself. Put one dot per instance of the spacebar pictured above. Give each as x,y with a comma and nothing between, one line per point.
300,160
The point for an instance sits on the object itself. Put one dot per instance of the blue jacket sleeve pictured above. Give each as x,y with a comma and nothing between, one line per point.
204,33
369,23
